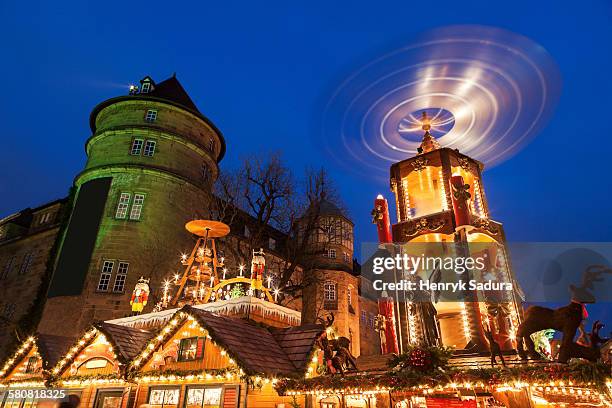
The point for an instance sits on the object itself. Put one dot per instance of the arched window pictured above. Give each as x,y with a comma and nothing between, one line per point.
349,299
330,296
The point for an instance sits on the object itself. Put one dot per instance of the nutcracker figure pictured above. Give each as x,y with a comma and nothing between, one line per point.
140,295
258,264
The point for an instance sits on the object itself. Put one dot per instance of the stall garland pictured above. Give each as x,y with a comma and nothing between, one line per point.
428,367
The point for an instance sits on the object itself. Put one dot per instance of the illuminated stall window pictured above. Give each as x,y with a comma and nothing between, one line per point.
191,348
108,399
31,365
203,397
164,397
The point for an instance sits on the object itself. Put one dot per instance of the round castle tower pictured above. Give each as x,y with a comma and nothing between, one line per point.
151,162
334,288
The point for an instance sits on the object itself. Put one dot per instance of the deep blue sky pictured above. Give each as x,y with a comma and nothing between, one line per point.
258,70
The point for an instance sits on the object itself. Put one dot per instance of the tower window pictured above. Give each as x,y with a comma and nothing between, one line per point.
149,148
330,298
146,87
346,257
8,267
137,206
27,261
151,115
122,270
136,147
211,144
122,206
105,276
331,253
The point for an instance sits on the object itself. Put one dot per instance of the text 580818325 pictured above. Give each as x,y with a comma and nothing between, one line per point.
39,393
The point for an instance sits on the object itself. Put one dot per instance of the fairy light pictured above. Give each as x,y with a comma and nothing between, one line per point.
466,323
477,203
397,199
407,209
21,350
412,324
442,186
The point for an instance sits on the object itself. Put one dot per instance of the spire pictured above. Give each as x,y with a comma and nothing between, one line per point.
429,143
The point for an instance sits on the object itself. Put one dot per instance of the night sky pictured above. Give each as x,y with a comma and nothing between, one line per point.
260,74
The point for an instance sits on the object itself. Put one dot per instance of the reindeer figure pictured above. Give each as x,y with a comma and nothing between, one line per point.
566,319
336,352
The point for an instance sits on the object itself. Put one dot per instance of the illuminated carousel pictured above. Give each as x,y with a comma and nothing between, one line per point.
206,278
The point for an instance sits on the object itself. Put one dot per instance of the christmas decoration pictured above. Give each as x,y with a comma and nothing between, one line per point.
140,295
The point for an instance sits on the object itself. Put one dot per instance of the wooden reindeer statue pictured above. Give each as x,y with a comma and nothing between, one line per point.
336,352
566,319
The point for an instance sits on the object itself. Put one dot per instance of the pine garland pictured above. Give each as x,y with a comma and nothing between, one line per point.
429,367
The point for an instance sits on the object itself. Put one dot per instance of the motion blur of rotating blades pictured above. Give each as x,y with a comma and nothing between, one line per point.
485,91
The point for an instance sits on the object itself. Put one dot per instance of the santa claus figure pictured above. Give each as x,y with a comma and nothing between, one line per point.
258,264
140,295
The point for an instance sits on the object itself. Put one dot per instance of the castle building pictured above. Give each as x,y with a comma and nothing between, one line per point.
152,159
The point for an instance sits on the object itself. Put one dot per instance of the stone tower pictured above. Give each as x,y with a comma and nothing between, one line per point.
334,287
151,160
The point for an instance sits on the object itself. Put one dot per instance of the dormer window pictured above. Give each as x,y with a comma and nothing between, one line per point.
146,87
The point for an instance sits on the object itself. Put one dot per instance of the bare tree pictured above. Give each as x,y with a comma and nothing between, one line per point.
265,197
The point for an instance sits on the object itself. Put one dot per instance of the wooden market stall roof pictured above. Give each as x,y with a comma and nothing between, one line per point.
258,349
127,341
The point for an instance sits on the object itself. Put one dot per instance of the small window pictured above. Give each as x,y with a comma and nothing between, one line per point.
105,276
271,243
330,290
364,317
346,257
136,147
31,365
149,148
330,298
44,218
164,397
27,261
151,115
211,144
191,348
137,206
8,267
9,311
146,87
247,232
122,206
122,270
203,397
331,253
